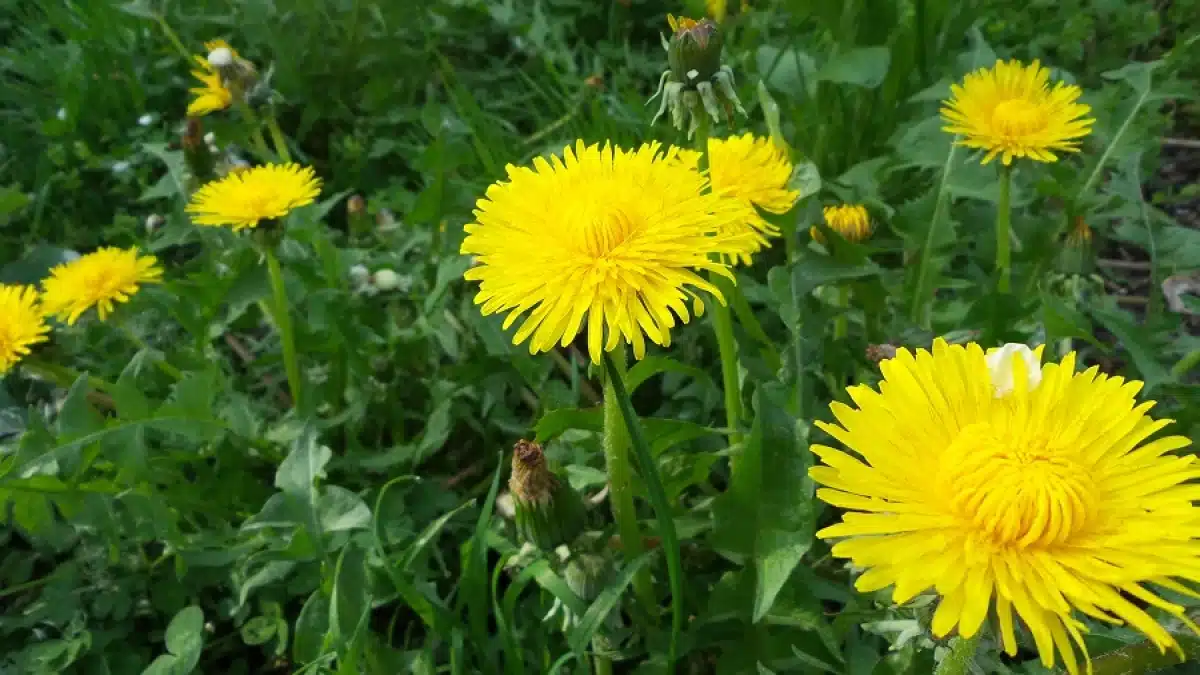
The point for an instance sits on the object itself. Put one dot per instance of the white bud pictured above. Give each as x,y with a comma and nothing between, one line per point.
386,280
153,222
1000,366
146,120
210,138
221,57
359,274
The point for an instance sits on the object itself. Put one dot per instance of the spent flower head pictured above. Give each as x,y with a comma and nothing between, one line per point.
243,199
695,82
1010,110
213,94
611,237
1014,490
22,324
100,279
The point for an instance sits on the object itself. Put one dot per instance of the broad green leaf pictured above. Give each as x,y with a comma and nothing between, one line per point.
787,70
653,365
258,630
311,627
340,509
863,66
351,594
34,265
817,270
185,638
303,467
766,518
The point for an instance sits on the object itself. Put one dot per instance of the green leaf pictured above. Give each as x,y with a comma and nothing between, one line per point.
12,199
1136,341
351,594
653,365
554,422
767,516
818,270
185,638
34,265
604,604
258,630
311,627
864,67
303,467
1065,321
340,509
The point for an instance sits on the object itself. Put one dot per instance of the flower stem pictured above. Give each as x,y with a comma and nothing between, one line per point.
277,138
727,348
620,481
1004,230
172,37
840,323
61,375
603,665
962,653
281,311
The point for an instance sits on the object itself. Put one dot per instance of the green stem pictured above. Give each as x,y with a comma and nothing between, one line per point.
173,38
962,653
1189,361
281,311
603,664
61,375
277,137
658,499
256,137
620,481
160,359
840,323
727,348
1004,231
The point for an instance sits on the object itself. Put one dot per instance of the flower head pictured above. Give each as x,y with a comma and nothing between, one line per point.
99,279
1010,110
695,82
213,95
240,200
22,324
1032,492
611,236
849,220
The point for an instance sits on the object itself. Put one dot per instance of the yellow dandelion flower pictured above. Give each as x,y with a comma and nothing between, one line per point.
613,236
213,96
242,199
1010,110
681,24
849,220
755,172
99,279
22,324
1013,487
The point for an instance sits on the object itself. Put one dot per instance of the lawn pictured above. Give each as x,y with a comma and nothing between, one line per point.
599,336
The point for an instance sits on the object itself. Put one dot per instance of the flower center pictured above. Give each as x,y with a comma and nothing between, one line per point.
607,233
1018,117
1016,494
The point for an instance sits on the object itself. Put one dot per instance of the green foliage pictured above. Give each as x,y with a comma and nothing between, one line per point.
169,506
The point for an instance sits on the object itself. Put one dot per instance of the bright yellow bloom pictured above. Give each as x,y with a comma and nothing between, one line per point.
755,172
22,324
242,199
1003,483
681,24
99,279
214,95
612,236
849,220
1011,111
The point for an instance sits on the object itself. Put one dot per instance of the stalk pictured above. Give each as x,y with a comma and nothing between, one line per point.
281,312
1004,231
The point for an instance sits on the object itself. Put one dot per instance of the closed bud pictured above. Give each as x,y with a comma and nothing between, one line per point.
694,50
549,513
695,83
356,215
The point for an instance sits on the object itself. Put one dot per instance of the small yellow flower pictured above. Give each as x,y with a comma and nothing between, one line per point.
240,200
611,236
681,24
755,172
99,279
1011,111
1013,489
22,324
213,95
849,220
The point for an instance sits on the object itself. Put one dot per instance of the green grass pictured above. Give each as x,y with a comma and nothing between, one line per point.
203,523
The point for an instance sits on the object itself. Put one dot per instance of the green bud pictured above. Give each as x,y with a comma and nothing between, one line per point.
548,512
694,50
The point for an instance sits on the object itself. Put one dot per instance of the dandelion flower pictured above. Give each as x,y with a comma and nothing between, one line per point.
849,220
1013,488
240,200
99,279
22,324
755,172
1011,111
213,95
611,236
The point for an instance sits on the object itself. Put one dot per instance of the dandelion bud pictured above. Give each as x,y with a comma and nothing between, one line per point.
359,275
695,83
851,221
1003,364
882,352
1076,256
153,222
548,512
356,215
